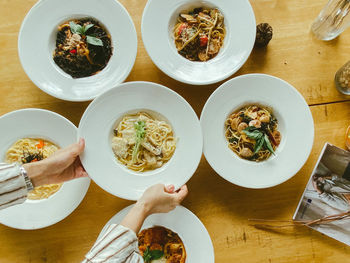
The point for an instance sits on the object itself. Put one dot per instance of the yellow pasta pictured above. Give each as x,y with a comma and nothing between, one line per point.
28,150
142,143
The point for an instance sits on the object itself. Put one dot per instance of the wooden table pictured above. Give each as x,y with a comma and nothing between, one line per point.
293,55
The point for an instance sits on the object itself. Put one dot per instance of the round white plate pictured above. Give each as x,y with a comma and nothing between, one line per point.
182,221
37,123
294,120
37,39
103,114
158,20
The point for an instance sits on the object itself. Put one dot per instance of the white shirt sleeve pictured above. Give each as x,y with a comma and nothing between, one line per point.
118,245
13,189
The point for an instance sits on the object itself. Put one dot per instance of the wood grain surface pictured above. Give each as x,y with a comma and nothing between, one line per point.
293,55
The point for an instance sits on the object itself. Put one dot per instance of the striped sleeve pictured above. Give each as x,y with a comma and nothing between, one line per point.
13,188
118,245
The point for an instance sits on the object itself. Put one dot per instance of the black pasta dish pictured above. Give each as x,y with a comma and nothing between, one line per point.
83,47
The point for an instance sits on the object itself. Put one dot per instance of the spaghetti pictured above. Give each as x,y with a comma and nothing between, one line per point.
252,133
29,150
143,143
200,34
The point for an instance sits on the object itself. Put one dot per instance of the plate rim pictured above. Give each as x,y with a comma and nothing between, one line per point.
85,182
295,91
123,86
199,83
178,208
63,97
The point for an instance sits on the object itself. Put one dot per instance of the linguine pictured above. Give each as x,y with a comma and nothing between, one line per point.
143,143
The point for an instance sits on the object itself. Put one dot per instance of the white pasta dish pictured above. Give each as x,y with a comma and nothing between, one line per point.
29,150
142,142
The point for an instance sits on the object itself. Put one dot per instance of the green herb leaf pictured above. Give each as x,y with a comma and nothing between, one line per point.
140,135
255,134
87,27
259,143
94,41
268,145
150,255
75,28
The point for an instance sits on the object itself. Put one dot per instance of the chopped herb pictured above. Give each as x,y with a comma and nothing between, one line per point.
31,157
232,140
245,118
150,255
140,135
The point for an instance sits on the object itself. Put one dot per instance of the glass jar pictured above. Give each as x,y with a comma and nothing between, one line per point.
332,20
342,79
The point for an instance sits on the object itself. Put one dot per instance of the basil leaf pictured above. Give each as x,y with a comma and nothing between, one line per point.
150,255
256,135
259,143
75,28
268,144
87,27
156,254
94,41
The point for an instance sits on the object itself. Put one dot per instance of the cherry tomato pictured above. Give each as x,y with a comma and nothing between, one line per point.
203,41
181,28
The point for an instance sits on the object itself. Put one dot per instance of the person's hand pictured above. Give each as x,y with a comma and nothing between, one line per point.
161,199
63,165
156,199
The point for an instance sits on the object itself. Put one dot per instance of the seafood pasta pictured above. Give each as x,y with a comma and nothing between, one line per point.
200,34
252,132
29,150
143,143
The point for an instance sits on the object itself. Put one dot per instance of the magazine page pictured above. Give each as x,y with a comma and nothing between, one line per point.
328,193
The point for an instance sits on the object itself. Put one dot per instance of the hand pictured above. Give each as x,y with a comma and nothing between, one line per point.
161,199
156,199
63,165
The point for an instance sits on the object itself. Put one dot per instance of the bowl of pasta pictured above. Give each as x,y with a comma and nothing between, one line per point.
139,134
78,51
198,42
258,131
179,236
34,141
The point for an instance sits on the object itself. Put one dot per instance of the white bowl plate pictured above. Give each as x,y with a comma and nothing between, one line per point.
37,42
104,113
37,123
294,121
158,20
182,221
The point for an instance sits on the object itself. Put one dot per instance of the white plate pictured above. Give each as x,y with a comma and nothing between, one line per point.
37,123
37,38
182,221
158,20
103,114
294,120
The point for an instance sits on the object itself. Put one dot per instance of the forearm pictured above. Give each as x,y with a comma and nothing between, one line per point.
37,173
136,216
13,189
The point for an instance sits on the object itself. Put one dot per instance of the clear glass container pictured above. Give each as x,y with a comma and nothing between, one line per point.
342,79
332,20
